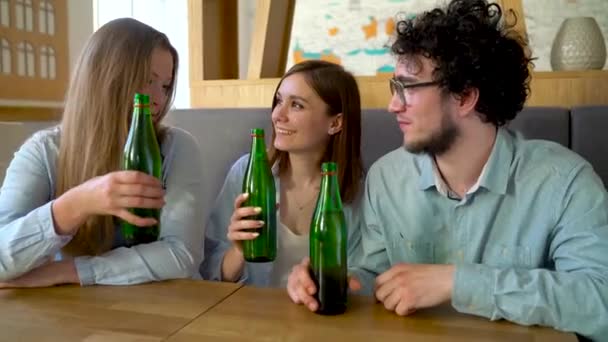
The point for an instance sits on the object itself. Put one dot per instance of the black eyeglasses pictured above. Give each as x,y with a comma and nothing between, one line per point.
400,87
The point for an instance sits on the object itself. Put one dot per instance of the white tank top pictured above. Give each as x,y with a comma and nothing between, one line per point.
291,249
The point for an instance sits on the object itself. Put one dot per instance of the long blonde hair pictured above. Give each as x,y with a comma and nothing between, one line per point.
113,65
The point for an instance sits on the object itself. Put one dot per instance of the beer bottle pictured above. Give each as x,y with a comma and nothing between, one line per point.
142,153
259,184
328,236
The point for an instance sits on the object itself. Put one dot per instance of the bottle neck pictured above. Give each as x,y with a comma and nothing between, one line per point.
141,115
258,147
329,193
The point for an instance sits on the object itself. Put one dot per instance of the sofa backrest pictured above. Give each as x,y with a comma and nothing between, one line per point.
13,135
223,136
548,123
589,139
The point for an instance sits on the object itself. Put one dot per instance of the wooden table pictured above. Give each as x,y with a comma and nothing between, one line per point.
150,312
191,310
255,314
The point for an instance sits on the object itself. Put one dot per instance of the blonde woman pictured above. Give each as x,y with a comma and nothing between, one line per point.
63,194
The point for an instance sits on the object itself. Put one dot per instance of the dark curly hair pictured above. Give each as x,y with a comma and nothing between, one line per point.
472,48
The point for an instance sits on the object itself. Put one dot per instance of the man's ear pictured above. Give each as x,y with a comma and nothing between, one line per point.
467,101
336,124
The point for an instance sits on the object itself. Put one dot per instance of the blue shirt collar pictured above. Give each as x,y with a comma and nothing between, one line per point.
496,177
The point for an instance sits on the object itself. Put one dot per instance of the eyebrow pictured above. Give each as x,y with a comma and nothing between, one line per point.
294,97
406,79
158,76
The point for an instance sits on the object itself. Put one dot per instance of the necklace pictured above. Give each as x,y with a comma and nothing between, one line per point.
302,205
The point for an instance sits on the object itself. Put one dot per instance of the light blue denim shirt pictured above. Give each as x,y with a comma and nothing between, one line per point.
216,242
530,245
27,233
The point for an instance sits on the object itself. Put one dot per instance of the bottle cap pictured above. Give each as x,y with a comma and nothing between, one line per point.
329,168
141,100
257,132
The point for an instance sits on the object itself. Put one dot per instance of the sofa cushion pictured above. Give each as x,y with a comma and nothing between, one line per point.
588,137
548,123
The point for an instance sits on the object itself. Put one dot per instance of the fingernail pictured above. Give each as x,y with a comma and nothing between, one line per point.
255,234
257,210
246,195
260,223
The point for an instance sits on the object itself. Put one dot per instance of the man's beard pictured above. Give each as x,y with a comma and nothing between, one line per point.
439,141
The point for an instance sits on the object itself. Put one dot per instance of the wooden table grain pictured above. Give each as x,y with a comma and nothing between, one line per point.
255,314
150,312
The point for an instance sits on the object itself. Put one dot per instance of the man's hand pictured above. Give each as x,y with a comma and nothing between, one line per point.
53,273
404,288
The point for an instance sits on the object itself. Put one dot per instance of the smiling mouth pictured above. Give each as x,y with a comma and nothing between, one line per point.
284,131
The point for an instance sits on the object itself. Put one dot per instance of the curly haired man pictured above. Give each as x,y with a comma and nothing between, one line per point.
469,212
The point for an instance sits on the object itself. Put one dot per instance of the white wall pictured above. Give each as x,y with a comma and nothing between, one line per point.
80,26
246,14
167,16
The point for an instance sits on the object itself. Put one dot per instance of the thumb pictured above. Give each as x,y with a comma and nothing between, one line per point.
305,262
354,284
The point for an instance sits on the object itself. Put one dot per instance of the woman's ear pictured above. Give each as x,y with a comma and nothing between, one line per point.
335,125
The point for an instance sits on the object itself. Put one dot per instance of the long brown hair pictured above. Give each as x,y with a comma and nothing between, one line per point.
113,65
338,89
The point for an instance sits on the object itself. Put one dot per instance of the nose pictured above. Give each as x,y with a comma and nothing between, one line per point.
395,104
278,113
158,98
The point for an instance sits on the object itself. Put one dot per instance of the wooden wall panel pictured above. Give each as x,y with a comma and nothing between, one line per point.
572,88
213,39
569,88
270,41
16,87
12,113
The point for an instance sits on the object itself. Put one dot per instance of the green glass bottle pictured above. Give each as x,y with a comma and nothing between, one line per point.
328,236
259,184
142,153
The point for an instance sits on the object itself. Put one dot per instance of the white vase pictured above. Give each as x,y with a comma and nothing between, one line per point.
578,45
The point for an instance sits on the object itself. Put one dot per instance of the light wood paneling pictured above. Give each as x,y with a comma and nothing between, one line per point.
233,93
569,88
565,89
213,39
270,41
29,113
